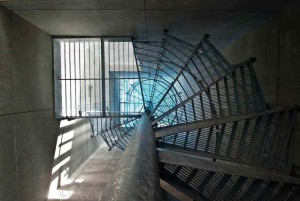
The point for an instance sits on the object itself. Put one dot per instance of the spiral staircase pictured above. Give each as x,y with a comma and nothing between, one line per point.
215,136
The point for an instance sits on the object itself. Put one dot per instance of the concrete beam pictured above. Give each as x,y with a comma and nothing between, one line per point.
192,5
15,5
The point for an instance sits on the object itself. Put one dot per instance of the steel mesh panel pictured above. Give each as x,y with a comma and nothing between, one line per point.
260,140
181,58
205,185
115,132
237,93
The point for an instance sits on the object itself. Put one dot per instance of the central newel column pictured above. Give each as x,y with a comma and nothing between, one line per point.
137,177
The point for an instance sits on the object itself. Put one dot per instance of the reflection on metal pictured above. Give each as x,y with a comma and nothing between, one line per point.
136,177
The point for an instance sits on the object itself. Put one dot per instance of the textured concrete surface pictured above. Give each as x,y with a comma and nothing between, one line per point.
205,5
89,181
73,146
28,129
192,25
32,67
289,66
8,172
289,84
88,22
263,44
189,25
6,93
72,4
217,5
35,141
82,145
189,20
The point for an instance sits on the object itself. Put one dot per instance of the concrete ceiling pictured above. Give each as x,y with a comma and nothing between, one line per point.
225,21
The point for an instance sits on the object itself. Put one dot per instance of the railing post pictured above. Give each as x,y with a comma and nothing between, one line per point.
137,176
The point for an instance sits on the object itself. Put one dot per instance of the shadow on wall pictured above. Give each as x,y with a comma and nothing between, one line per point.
73,147
62,157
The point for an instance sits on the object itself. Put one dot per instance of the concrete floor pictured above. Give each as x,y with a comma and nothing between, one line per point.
88,182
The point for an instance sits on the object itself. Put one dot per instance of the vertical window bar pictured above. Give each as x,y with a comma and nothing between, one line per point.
114,49
94,77
100,79
90,84
80,109
70,77
84,78
66,97
103,78
124,76
75,70
65,82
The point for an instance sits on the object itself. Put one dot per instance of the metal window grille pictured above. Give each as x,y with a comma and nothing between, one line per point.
93,78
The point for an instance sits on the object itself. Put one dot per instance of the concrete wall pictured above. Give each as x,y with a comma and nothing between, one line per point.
276,45
28,129
263,44
73,146
289,67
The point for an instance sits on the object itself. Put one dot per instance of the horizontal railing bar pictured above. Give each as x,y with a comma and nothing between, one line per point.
188,160
169,130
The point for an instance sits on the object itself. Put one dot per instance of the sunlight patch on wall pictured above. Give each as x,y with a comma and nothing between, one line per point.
63,162
64,123
55,193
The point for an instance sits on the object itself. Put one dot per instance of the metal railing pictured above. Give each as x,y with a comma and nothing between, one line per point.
114,131
209,185
261,139
236,93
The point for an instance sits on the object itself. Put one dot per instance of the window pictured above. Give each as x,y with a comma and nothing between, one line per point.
95,77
